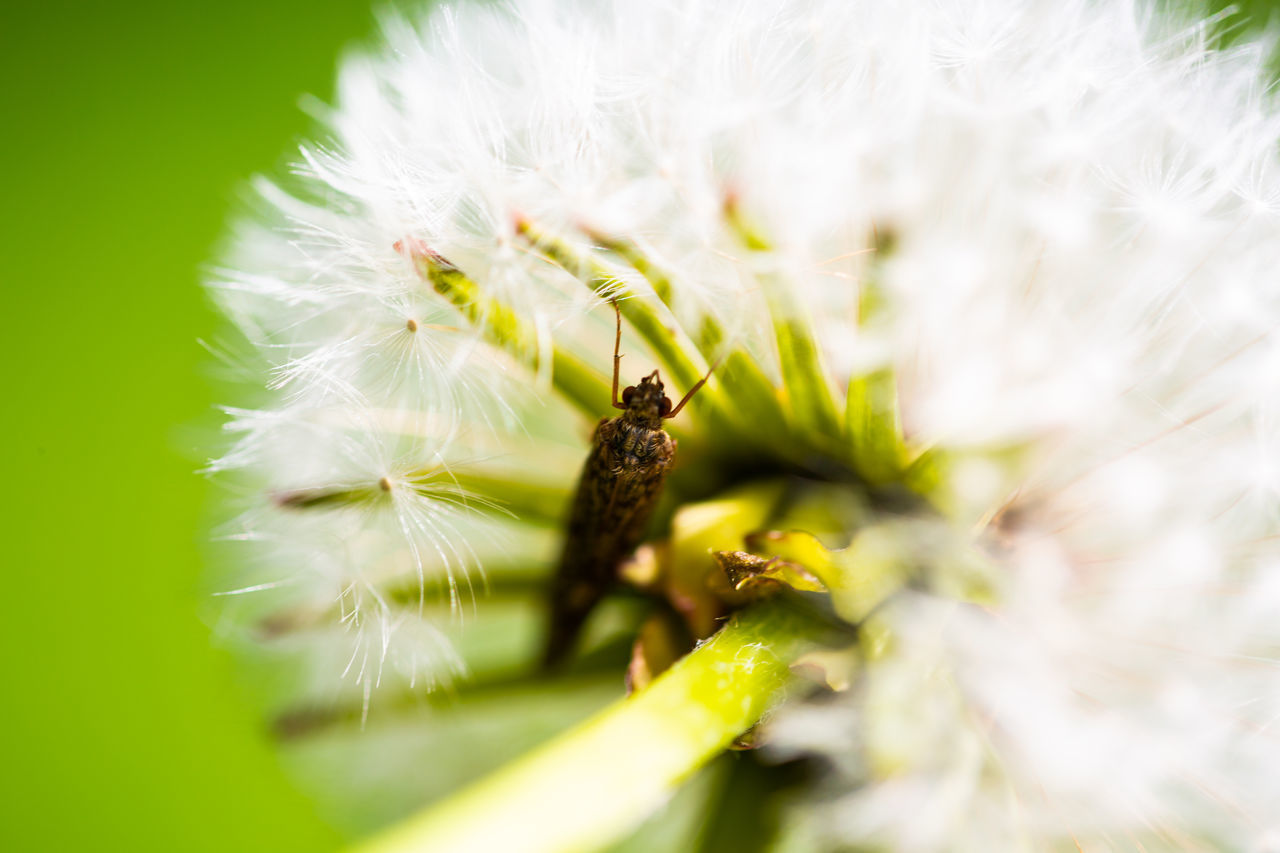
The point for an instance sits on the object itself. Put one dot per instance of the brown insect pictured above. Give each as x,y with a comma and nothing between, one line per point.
621,481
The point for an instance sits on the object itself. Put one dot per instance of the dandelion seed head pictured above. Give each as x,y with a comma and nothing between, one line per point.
1053,223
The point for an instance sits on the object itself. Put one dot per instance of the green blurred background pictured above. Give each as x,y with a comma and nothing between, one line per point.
129,131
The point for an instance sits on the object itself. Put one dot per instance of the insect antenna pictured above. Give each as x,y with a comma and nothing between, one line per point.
617,356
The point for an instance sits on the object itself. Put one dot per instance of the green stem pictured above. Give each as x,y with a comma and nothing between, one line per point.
593,784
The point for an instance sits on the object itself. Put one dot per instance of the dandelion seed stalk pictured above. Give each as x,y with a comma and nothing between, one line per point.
504,328
745,384
806,381
639,314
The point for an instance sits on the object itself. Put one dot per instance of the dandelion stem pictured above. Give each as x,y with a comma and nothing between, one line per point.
593,784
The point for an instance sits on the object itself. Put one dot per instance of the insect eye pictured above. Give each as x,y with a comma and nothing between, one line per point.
627,394
664,408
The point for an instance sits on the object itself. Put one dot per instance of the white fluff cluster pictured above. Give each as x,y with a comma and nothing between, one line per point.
1069,213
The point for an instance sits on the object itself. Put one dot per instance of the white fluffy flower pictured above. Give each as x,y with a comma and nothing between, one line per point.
1054,225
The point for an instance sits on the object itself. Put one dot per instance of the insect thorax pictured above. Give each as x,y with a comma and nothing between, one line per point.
634,447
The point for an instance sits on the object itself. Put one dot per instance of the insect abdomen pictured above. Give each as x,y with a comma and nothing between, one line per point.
616,495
